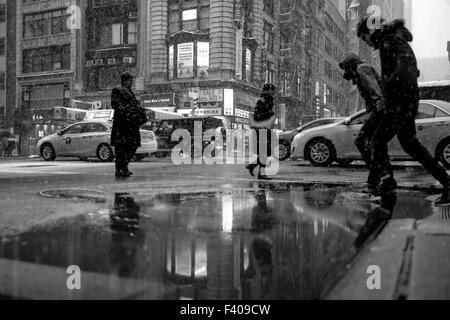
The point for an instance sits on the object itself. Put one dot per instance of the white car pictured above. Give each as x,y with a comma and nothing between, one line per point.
336,142
89,139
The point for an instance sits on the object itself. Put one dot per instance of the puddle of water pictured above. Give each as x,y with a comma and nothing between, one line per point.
245,244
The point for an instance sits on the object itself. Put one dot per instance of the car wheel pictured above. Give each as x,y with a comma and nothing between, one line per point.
105,153
48,152
321,153
443,153
344,162
284,151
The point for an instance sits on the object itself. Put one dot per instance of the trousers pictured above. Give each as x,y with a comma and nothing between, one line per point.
399,120
124,154
364,141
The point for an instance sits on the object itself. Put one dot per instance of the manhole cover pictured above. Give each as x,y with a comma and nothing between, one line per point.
80,194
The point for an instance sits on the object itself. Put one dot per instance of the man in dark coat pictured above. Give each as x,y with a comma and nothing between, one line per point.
401,91
125,135
368,81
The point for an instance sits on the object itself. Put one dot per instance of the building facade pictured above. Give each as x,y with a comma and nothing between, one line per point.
193,57
3,13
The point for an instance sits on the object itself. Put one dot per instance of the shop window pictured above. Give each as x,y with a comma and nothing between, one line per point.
191,60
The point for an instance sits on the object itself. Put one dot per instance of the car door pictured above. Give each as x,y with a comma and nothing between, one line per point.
95,134
75,140
431,126
345,139
64,142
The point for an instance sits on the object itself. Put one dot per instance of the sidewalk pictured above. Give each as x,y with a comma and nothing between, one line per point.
414,260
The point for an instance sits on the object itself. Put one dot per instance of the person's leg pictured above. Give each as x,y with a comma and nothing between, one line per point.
381,165
410,143
265,150
121,158
255,139
363,143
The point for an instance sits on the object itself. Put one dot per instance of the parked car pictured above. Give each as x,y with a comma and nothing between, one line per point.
167,127
325,145
89,139
287,137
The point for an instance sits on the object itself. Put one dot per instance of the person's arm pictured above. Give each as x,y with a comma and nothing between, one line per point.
371,87
116,102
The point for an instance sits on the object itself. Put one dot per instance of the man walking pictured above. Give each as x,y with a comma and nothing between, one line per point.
368,81
125,135
401,93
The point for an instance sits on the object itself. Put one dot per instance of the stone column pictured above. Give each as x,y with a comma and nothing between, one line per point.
258,34
156,41
222,40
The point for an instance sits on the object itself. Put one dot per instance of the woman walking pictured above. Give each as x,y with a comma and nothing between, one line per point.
262,122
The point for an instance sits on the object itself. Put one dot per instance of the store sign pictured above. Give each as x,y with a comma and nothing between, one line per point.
242,114
158,100
228,103
239,51
210,95
208,112
185,60
202,59
244,99
248,62
171,65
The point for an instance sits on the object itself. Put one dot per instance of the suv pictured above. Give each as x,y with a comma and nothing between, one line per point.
166,128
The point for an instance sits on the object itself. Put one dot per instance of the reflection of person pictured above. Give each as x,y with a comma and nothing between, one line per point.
262,122
368,81
262,244
401,93
125,135
376,219
125,220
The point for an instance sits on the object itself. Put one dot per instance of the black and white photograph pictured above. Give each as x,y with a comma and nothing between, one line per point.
224,155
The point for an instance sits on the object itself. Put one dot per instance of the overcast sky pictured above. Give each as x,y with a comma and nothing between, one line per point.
431,27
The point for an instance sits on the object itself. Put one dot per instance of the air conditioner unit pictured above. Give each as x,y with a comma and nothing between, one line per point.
128,60
112,61
132,15
98,62
89,63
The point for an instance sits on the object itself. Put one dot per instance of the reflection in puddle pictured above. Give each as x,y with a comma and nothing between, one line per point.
244,244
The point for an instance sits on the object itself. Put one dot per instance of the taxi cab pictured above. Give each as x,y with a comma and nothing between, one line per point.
88,139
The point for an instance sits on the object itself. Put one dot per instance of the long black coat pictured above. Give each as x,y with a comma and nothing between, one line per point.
123,131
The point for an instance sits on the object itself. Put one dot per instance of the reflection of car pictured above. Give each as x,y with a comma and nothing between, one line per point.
322,146
166,129
89,139
287,137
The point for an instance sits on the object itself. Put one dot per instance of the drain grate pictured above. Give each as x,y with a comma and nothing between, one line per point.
78,194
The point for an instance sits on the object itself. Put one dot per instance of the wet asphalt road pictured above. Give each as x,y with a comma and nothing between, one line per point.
185,232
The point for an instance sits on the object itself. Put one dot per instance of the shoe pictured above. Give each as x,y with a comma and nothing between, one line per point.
251,168
122,174
388,187
130,173
444,200
263,177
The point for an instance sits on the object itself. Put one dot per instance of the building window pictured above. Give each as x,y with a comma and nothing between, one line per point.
2,46
2,80
46,59
44,24
132,32
117,34
2,12
189,15
268,37
269,7
191,60
248,65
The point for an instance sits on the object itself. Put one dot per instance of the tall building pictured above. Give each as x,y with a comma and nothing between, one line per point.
2,64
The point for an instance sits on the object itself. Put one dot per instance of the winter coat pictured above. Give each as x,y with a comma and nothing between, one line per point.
399,64
264,108
124,131
368,82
